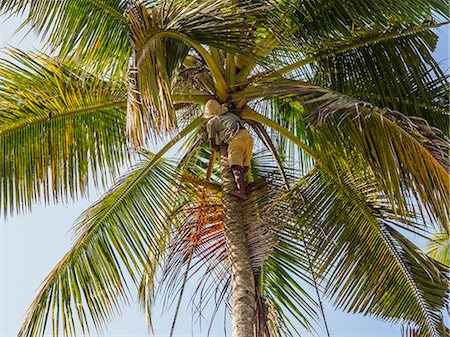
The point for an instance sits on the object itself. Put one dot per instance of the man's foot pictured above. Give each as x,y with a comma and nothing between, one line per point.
241,196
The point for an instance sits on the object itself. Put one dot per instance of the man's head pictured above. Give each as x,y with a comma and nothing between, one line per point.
213,108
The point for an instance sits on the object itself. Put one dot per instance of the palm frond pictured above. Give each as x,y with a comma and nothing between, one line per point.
368,266
265,138
94,31
387,66
60,128
111,241
300,55
409,157
130,219
398,72
318,21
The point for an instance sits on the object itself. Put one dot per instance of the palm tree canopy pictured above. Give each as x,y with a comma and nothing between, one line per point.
350,112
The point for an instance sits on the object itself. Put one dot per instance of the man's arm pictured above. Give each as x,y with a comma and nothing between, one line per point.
212,127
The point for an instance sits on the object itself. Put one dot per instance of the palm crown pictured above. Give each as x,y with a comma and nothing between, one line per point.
347,104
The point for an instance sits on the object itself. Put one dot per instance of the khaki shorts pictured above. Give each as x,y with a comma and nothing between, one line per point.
240,149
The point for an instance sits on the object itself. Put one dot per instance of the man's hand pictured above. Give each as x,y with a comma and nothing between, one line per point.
213,145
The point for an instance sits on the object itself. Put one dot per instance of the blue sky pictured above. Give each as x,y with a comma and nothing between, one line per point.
32,244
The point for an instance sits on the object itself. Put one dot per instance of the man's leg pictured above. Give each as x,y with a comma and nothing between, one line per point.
236,148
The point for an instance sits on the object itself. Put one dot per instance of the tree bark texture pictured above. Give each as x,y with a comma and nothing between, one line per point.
243,283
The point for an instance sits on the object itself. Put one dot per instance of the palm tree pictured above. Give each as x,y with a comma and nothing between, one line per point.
345,100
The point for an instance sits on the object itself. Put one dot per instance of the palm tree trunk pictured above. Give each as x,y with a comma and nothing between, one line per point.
243,283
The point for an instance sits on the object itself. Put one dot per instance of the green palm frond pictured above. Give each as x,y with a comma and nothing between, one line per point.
389,66
399,73
92,30
334,19
296,54
60,128
367,265
124,224
438,247
111,237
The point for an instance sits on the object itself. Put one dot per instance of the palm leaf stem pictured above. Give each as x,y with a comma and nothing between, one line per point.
314,278
195,99
230,75
264,136
356,44
217,59
251,114
183,286
220,83
99,107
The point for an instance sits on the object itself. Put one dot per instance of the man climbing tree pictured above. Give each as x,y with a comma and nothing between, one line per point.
226,128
